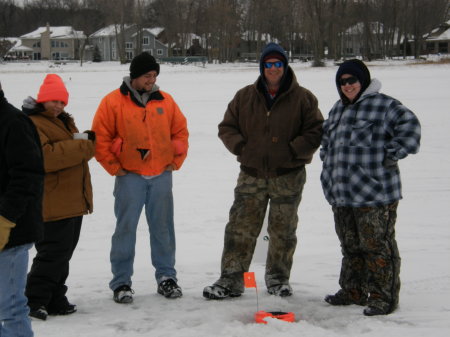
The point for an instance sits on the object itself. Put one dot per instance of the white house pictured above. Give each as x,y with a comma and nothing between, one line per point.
438,40
54,43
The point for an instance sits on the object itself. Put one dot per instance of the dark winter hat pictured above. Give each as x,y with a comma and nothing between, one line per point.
356,68
272,50
142,64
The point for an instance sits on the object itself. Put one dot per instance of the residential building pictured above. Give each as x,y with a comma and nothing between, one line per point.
134,40
438,40
15,50
54,43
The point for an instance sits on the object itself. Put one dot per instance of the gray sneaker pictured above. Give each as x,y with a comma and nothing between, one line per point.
169,289
123,295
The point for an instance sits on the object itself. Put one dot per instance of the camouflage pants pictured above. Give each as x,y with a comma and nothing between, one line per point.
371,261
252,197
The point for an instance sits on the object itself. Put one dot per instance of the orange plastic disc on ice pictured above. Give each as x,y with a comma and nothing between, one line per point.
283,316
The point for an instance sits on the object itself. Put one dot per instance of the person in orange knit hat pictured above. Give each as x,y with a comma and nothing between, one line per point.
53,89
67,197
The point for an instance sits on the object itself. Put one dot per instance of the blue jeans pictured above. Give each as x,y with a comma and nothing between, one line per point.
132,192
14,320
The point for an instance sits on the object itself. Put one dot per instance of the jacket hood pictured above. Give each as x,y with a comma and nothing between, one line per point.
272,48
373,88
288,80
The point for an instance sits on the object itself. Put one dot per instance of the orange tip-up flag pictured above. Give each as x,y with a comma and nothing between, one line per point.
249,280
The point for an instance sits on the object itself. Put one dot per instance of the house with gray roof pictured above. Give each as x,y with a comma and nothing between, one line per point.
135,41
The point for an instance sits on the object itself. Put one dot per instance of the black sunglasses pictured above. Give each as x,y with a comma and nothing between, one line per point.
349,80
277,64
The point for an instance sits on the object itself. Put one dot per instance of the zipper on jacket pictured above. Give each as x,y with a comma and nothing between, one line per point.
266,155
145,114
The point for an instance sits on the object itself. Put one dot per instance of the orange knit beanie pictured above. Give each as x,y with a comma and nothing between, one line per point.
53,89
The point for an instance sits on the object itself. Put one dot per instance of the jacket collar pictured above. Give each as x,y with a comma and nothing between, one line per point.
138,99
287,83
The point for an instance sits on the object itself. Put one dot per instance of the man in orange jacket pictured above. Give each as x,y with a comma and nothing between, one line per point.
142,137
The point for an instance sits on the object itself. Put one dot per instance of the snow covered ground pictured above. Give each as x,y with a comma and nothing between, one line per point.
203,191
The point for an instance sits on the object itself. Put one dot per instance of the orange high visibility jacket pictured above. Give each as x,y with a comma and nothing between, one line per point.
151,136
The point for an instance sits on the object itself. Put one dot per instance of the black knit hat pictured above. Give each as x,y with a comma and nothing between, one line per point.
142,64
356,68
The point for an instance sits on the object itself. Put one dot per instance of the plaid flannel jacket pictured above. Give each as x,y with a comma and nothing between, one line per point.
356,140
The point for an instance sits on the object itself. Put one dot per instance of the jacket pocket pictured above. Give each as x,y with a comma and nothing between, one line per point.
363,187
361,133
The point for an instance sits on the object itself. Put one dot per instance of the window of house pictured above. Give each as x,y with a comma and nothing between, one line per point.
145,41
128,45
159,52
129,55
430,47
443,47
37,44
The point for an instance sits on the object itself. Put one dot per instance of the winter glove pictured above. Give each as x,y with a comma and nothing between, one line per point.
5,230
389,163
91,135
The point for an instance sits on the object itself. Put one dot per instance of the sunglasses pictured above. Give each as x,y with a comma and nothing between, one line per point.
349,80
269,65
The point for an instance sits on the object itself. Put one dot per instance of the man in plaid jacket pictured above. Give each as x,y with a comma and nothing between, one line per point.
365,135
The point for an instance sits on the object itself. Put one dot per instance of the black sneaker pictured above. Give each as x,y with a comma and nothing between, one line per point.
123,294
282,290
374,311
67,310
216,292
39,313
346,298
169,289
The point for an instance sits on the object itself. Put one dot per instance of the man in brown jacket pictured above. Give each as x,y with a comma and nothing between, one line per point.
274,127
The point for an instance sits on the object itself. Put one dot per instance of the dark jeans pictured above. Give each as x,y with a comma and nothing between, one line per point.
50,269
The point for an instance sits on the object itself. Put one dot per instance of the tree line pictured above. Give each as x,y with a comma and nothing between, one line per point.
314,27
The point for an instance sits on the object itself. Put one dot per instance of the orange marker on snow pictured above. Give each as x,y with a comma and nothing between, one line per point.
260,315
280,315
249,280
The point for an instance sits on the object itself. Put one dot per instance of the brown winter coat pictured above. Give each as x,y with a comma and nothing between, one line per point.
67,187
272,141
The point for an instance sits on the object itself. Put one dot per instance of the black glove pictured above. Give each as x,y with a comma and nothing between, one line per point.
390,164
91,135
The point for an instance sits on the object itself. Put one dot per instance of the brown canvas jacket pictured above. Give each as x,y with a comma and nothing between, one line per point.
284,137
67,187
